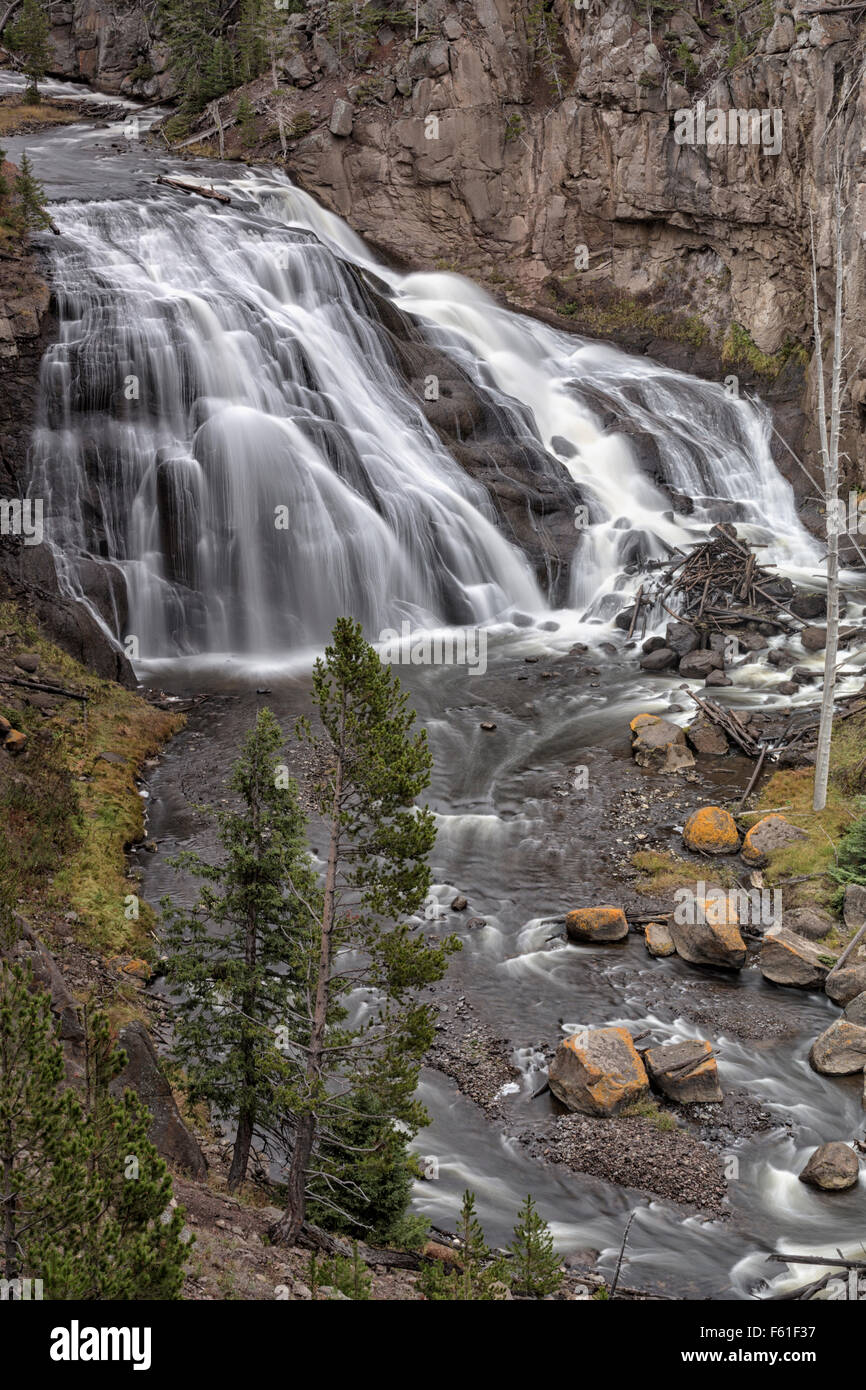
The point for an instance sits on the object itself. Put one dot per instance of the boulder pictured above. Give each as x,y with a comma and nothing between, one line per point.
596,924
46,972
598,1071
713,938
718,678
845,984
840,1050
811,922
659,941
653,644
832,1167
706,737
681,638
15,741
698,665
685,1072
814,639
342,118
711,830
809,605
27,661
659,744
789,959
855,1012
854,906
768,834
660,659
144,1075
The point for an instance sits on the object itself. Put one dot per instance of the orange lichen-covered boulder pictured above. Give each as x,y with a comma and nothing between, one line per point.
597,924
598,1071
705,931
711,830
658,744
767,834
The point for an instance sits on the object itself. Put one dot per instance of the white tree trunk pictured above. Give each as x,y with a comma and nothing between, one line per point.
833,508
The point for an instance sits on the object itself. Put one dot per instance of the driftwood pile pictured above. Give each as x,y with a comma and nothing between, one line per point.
721,582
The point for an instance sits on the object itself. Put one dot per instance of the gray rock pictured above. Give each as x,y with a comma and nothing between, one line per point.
814,639
698,665
144,1075
854,906
845,984
659,744
709,943
788,959
659,941
840,1050
659,660
342,118
706,738
832,1167
811,922
855,1012
684,1072
681,638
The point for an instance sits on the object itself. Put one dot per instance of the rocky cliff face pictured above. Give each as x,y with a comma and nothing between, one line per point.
543,159
112,44
460,152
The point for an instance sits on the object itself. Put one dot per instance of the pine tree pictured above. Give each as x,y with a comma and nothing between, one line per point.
82,1189
39,1135
850,866
372,765
545,41
127,1242
28,36
536,1270
246,119
232,954
376,1190
30,210
481,1277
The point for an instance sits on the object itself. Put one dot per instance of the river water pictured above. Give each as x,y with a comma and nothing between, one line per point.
218,366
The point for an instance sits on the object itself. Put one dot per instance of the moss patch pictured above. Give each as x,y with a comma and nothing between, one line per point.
71,814
612,315
664,872
792,788
738,350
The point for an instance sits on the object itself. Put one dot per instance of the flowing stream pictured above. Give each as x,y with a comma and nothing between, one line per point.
230,457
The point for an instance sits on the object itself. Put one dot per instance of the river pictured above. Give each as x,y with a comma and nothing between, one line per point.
217,363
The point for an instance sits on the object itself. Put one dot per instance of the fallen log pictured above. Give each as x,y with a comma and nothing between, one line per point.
816,1260
727,720
46,689
194,188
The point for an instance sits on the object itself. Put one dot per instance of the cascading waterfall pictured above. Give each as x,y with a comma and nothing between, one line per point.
223,422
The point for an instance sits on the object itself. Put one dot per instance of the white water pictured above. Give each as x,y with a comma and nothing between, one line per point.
223,421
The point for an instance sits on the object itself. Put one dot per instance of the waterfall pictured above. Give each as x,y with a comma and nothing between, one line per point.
224,428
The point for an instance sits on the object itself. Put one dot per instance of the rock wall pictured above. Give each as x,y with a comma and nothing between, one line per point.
466,156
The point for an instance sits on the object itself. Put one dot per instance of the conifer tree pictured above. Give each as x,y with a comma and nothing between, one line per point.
481,1277
30,210
536,1270
127,1242
231,956
28,36
82,1190
39,1134
371,765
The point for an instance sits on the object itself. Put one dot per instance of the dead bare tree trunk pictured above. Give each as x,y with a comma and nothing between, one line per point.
832,505
288,1228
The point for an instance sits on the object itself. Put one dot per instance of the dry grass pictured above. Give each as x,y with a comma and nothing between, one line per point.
17,118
